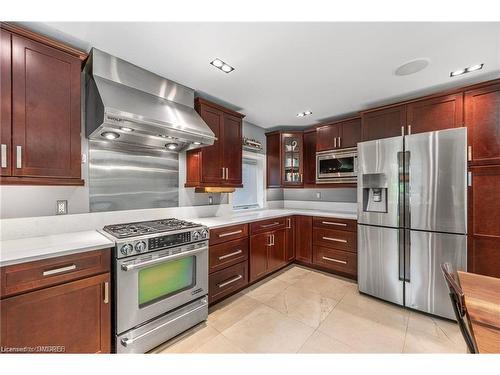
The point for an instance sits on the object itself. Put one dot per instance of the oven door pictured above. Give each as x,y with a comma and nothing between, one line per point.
333,165
153,284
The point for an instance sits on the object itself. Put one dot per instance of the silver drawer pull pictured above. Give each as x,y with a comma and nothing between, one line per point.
233,280
19,157
59,270
270,225
335,260
106,292
230,233
4,156
335,239
230,254
334,223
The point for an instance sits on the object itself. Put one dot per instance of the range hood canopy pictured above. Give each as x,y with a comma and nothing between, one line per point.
140,107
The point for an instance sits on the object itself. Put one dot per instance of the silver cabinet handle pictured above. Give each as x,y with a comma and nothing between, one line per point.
335,260
334,223
230,254
340,141
59,270
335,239
402,130
469,153
233,280
230,233
270,225
106,292
289,223
409,129
223,173
269,240
335,142
4,155
227,173
19,157
165,258
273,239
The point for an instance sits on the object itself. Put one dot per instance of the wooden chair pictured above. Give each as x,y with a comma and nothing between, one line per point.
458,302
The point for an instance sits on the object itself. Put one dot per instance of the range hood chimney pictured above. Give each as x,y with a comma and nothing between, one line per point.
129,104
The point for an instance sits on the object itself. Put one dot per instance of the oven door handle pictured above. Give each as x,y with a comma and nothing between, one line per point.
133,266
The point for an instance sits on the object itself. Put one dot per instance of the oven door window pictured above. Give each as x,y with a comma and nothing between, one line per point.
339,165
166,279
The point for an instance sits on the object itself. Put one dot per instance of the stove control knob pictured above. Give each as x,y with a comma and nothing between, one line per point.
204,233
140,246
126,249
196,236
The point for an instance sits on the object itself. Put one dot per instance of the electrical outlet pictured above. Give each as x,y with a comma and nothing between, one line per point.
62,207
210,200
318,195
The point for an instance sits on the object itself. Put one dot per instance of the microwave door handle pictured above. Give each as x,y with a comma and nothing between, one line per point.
133,266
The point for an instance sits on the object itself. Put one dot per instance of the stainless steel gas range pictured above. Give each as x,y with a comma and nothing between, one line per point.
161,281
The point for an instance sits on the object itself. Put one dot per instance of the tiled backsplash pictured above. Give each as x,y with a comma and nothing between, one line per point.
318,195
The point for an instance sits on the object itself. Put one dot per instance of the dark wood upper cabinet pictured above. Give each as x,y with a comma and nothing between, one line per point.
432,114
6,103
383,123
285,159
303,239
351,133
273,160
327,137
309,158
218,165
41,119
482,118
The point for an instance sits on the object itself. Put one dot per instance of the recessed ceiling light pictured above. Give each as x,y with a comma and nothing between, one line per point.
305,113
171,146
218,63
110,135
125,129
412,67
470,69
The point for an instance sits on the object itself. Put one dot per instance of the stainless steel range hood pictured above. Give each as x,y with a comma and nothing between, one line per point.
140,107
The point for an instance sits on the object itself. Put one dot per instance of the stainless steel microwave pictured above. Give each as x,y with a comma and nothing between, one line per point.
337,166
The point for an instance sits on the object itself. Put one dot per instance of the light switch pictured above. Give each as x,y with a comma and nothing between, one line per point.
318,195
210,200
62,207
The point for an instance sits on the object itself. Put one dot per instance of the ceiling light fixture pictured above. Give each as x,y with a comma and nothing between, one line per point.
110,135
219,64
171,146
125,129
470,69
305,113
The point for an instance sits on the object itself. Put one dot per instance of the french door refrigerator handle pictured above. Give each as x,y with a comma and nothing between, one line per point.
407,255
401,259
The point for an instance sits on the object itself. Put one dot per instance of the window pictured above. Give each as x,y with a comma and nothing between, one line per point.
250,195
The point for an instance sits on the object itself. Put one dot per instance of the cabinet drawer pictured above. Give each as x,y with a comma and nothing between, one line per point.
228,253
267,225
24,277
233,232
334,223
227,281
335,239
335,260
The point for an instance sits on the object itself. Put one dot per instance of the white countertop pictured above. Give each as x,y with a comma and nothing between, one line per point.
43,247
37,248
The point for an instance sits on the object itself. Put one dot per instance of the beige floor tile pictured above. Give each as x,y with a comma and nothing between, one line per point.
451,330
267,289
365,331
230,311
320,343
219,344
293,274
326,285
424,324
420,342
265,330
303,305
189,341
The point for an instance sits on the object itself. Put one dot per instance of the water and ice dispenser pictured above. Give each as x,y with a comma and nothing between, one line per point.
374,192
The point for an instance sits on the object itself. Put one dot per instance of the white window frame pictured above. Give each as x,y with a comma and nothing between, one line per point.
260,159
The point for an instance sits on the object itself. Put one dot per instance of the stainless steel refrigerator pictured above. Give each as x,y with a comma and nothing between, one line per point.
412,216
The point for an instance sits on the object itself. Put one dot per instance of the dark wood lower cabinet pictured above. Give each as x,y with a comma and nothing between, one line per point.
303,239
277,256
73,317
227,281
290,238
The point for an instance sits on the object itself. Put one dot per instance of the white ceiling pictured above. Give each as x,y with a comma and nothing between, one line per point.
332,69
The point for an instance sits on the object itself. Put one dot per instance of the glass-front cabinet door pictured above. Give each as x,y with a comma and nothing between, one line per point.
292,156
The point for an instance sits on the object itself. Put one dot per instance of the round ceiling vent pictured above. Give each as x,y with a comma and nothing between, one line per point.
412,67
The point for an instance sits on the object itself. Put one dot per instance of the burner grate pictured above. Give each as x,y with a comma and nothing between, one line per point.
148,227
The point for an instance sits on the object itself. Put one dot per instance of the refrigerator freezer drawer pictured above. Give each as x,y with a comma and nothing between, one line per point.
379,263
427,290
